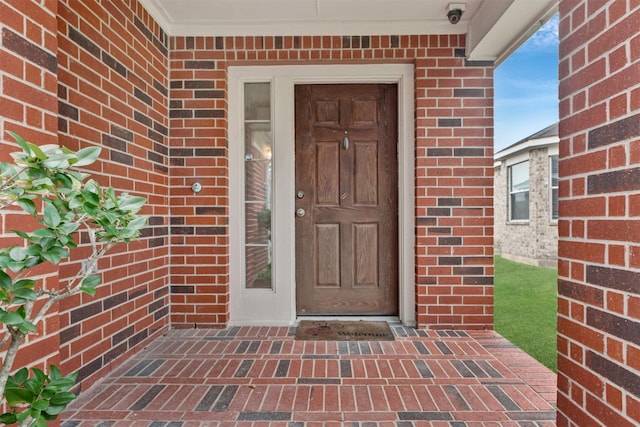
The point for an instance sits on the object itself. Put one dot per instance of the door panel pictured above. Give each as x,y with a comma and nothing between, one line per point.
328,174
366,174
346,184
366,255
328,243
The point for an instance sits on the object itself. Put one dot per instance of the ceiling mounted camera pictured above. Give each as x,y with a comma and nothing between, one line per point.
454,12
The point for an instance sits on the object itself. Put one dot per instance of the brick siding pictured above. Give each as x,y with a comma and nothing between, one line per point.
535,241
599,263
454,174
113,92
28,106
104,74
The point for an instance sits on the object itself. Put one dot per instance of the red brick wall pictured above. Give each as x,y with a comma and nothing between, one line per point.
454,169
113,92
28,106
599,262
103,73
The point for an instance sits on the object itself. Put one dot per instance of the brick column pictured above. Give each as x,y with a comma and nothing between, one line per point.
599,247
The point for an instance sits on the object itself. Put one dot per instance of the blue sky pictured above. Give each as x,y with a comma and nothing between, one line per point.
526,88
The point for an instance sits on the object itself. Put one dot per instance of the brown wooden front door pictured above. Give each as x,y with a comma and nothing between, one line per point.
346,199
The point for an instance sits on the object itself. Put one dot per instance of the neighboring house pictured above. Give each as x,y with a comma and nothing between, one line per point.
526,199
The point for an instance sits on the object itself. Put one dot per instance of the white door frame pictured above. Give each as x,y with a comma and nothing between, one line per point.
277,306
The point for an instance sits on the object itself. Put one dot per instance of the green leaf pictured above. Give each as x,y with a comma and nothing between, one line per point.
11,318
68,227
5,280
76,202
46,243
48,392
86,156
54,372
62,398
23,416
21,142
138,223
22,311
18,253
37,151
15,266
22,234
63,384
63,180
51,215
33,261
27,327
90,197
40,376
8,418
55,254
44,233
28,206
42,182
25,294
57,161
132,204
91,281
90,209
40,404
89,284
40,420
25,283
55,410
21,376
73,377
110,193
16,395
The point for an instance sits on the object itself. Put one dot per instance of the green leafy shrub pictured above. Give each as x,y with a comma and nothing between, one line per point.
42,182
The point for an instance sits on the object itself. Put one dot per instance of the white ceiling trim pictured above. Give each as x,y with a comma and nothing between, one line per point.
307,17
495,28
317,28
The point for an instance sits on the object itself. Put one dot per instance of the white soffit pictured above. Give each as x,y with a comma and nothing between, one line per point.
501,26
495,27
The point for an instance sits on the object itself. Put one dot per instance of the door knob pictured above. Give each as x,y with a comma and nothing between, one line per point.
300,212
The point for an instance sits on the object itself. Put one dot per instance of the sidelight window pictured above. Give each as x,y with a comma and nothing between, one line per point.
258,184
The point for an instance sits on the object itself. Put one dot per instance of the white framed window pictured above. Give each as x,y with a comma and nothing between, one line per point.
519,191
258,184
553,186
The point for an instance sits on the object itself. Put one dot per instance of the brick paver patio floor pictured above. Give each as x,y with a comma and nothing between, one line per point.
262,376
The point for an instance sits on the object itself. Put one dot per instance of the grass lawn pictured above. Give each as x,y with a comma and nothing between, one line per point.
525,308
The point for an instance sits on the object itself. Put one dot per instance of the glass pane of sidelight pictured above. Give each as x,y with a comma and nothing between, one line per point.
257,184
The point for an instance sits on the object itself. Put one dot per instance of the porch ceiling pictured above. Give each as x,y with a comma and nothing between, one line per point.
495,28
